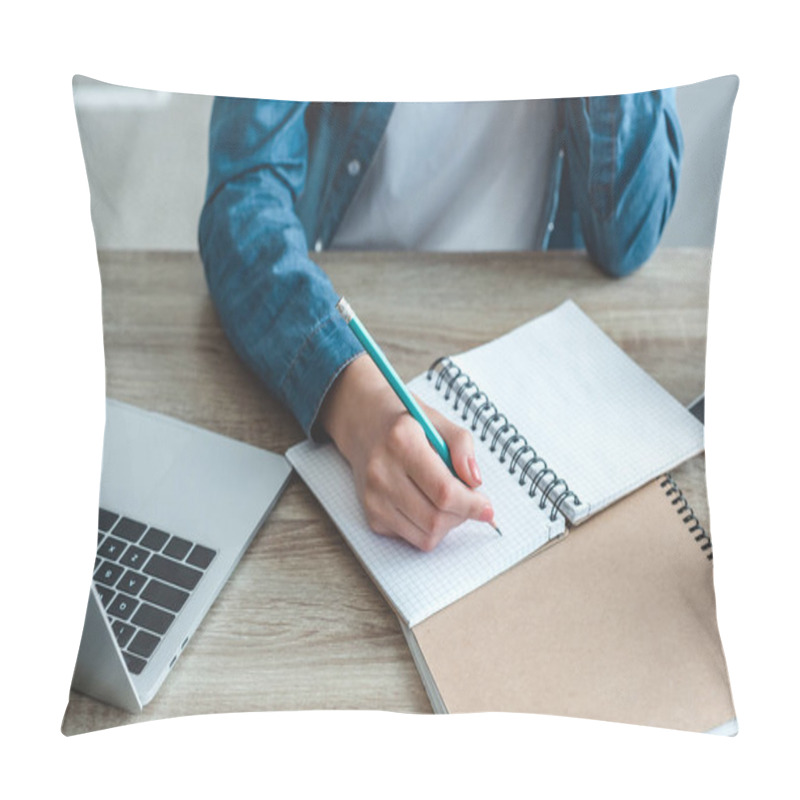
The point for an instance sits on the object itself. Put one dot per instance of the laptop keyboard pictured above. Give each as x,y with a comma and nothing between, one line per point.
144,577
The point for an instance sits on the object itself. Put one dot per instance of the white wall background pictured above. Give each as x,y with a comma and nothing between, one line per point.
146,158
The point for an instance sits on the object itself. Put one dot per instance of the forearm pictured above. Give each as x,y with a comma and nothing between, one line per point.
623,154
276,306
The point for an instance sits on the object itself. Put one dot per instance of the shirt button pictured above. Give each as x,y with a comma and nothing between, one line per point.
318,246
550,226
354,167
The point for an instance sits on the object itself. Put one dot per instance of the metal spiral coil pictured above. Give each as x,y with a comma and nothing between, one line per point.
468,403
701,536
512,443
461,389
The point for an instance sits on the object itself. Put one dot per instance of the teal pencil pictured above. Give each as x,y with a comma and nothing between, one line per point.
406,398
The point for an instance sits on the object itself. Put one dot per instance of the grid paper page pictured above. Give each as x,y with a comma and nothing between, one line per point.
419,584
599,421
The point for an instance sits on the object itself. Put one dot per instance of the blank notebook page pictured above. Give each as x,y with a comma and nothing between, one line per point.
600,422
419,584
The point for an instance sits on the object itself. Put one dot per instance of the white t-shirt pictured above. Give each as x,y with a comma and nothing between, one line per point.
455,176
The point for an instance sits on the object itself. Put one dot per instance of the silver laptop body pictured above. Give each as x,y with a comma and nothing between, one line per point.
190,483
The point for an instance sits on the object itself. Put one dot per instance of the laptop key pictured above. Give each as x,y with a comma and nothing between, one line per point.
177,548
154,539
165,596
134,556
152,618
143,644
111,548
201,556
172,572
129,529
106,520
123,606
134,663
108,573
123,632
105,593
132,582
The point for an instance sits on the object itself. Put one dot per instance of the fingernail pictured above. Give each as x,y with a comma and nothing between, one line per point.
473,468
487,515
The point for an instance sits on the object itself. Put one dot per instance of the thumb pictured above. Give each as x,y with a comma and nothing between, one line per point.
459,442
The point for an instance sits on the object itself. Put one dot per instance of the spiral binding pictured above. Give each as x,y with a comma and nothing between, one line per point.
505,435
702,538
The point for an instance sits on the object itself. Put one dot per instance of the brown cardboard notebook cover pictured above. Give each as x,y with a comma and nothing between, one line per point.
616,623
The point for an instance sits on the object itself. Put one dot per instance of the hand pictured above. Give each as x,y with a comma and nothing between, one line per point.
406,489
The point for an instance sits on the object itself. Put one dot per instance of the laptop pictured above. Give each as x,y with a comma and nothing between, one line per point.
698,407
179,505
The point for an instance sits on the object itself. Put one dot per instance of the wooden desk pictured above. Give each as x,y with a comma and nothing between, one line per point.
300,625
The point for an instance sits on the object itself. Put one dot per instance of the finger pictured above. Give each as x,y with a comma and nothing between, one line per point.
461,446
415,506
393,502
422,538
387,520
401,494
430,474
414,535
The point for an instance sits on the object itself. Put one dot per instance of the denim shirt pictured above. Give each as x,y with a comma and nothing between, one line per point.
282,174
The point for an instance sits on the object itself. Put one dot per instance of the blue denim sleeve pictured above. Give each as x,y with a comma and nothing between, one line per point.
275,304
623,154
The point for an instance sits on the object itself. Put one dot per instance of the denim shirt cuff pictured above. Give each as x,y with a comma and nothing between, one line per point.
329,348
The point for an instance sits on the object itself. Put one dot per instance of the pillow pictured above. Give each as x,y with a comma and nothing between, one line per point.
619,214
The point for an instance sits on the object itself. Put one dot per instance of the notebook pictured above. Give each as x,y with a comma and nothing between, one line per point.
565,423
618,624
179,505
617,621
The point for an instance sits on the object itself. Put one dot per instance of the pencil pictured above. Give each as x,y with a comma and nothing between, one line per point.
406,398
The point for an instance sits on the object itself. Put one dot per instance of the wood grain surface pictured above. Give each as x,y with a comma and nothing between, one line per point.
300,625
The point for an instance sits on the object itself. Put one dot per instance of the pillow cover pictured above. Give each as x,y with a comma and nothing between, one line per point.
195,226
